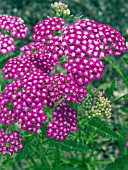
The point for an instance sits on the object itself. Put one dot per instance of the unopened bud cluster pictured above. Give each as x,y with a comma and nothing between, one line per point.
97,105
61,9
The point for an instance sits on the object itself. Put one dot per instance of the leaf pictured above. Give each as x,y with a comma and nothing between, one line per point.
118,98
90,166
21,154
103,132
97,127
105,85
102,161
119,164
118,69
70,145
125,60
63,59
111,89
56,158
69,168
123,109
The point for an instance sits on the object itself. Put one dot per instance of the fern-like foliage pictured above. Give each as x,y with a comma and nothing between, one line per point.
125,60
118,69
90,166
56,157
111,89
119,98
70,145
100,127
124,110
21,154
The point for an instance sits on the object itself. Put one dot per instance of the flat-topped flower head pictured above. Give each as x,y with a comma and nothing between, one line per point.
10,142
6,44
13,24
36,84
87,37
84,70
47,28
61,86
23,65
107,38
23,101
64,119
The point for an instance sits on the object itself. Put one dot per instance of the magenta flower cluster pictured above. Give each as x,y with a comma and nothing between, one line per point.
82,70
47,28
64,118
6,44
87,37
10,142
22,100
23,106
13,24
16,27
84,43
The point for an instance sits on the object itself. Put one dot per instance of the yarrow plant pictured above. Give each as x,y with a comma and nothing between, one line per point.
79,49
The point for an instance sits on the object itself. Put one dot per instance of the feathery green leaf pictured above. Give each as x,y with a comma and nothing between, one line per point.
70,145
118,69
21,154
111,89
123,109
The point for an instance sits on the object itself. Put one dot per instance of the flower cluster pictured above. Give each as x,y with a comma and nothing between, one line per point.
33,47
14,24
23,99
16,27
46,29
59,6
23,65
22,102
61,86
64,119
97,105
10,142
83,70
87,37
6,44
